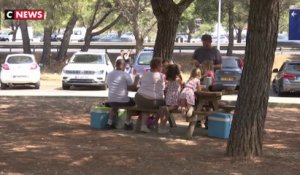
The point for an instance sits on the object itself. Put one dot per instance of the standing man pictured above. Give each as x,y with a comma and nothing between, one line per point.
207,53
118,84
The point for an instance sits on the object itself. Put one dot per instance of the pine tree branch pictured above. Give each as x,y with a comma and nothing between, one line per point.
102,19
183,4
95,13
107,27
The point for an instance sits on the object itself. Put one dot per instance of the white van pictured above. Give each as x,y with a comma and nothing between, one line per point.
77,34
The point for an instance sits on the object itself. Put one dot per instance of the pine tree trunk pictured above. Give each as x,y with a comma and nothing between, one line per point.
139,40
246,137
66,38
168,14
25,37
230,26
139,43
48,29
14,29
47,46
166,34
87,40
239,35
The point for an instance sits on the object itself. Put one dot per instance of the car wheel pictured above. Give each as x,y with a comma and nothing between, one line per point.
4,86
65,87
280,92
37,85
104,87
274,87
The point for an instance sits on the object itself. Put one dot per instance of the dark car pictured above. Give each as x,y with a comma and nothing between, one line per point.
112,38
96,38
230,74
287,79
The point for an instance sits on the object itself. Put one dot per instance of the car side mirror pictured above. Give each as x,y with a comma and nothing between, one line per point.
41,64
275,70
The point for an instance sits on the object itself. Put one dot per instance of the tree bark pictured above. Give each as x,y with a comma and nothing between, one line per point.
168,15
239,35
66,38
246,137
139,39
230,6
47,46
166,34
87,40
48,29
25,37
14,29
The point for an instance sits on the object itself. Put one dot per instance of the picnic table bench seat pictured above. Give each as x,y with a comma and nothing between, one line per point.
136,109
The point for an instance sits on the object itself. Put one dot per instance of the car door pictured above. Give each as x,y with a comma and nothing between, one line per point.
281,71
279,74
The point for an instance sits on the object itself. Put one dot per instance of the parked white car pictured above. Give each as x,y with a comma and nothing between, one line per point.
86,69
20,69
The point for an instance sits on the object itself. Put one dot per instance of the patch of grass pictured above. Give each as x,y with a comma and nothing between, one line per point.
50,76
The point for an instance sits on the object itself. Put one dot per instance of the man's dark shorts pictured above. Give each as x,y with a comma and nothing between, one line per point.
118,104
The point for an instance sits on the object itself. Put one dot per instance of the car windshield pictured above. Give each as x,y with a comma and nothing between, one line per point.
230,63
19,60
145,58
86,58
293,67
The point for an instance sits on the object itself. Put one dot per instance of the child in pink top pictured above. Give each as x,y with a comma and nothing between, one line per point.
187,95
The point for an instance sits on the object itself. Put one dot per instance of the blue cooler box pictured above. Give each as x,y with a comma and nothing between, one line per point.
219,125
99,117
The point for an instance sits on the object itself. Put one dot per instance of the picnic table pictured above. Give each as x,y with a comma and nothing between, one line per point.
207,103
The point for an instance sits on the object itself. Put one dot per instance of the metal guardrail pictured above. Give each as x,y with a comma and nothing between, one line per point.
130,45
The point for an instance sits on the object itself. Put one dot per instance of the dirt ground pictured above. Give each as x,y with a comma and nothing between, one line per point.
52,136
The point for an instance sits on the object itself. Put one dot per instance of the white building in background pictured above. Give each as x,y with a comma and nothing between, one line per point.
222,30
223,35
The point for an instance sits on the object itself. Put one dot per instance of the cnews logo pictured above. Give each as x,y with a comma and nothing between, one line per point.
24,14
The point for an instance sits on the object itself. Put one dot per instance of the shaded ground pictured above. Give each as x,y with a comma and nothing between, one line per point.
52,136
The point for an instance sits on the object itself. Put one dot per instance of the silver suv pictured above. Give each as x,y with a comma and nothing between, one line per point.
287,78
86,69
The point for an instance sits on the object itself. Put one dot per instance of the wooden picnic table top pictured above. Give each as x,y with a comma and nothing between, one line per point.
208,94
